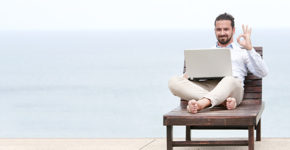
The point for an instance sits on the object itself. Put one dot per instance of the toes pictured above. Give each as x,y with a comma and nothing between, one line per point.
231,103
229,106
193,109
188,108
189,102
192,106
192,102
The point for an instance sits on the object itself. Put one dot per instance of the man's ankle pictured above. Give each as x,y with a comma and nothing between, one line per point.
203,103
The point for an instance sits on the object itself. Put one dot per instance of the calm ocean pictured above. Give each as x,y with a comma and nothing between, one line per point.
113,83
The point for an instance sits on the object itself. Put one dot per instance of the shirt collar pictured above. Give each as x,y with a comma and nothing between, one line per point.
229,46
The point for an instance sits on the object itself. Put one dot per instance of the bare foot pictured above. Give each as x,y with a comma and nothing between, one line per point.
231,103
192,106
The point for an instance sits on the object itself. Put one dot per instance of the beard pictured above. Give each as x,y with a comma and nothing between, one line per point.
224,41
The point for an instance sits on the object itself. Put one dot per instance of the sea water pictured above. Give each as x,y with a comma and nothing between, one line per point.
113,83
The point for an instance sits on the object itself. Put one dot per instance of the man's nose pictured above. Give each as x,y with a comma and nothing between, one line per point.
222,32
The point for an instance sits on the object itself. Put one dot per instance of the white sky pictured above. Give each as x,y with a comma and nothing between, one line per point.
138,14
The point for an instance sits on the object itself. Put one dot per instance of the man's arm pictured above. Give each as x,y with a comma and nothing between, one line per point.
254,61
256,64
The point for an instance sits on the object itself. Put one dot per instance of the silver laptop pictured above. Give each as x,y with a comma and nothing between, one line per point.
208,63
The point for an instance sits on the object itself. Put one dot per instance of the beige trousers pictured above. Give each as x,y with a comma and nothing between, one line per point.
217,90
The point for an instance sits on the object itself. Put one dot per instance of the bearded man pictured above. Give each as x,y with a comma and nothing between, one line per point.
229,90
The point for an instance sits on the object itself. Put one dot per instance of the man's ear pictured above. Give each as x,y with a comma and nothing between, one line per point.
234,30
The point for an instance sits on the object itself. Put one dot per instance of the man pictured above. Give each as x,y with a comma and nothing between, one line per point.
229,90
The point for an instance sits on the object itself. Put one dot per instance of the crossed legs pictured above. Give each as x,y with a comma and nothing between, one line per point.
227,92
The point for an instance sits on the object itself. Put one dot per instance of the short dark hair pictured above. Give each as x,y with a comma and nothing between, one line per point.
225,16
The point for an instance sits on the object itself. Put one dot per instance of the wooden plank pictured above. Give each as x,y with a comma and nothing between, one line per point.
211,143
252,77
250,83
231,121
254,89
252,102
219,127
253,95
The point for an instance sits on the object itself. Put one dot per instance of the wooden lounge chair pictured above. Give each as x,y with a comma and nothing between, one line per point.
247,116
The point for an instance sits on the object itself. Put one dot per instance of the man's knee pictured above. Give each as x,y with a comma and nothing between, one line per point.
232,81
173,82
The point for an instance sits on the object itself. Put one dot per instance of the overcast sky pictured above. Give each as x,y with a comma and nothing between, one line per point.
138,14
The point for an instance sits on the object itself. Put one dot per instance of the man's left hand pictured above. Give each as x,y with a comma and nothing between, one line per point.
246,42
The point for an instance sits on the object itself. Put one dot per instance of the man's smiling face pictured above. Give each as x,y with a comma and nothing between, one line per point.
224,32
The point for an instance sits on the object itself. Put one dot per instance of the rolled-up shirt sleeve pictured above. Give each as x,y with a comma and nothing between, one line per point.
256,64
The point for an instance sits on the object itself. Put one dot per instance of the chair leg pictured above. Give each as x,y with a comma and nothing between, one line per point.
251,137
188,133
258,131
169,137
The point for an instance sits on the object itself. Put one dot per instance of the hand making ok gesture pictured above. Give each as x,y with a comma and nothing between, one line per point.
246,42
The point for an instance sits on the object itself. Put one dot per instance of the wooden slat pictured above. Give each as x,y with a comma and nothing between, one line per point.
251,102
253,95
253,89
252,77
246,99
253,83
219,127
211,143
